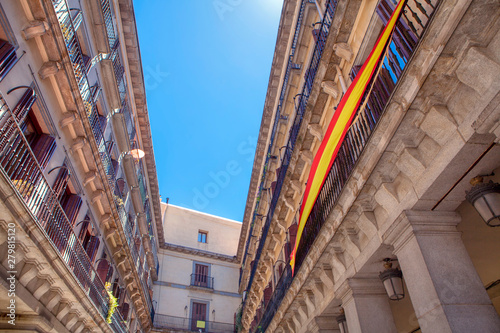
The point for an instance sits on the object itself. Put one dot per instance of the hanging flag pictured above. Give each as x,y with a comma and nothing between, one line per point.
339,125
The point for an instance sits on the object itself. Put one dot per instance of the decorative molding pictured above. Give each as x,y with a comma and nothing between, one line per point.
200,253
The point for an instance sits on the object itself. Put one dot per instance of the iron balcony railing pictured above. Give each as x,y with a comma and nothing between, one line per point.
290,65
8,57
188,324
125,109
408,32
294,130
19,164
77,60
406,36
202,280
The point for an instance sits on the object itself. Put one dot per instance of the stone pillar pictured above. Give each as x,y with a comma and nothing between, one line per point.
445,289
366,306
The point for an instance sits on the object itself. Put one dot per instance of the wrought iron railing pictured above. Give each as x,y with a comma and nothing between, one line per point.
409,30
294,130
125,109
279,292
187,324
8,57
19,164
79,69
406,36
78,62
202,280
290,65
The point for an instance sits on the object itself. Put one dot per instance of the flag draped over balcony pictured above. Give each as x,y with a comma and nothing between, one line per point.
339,125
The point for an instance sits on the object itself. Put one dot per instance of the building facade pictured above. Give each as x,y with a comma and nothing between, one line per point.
197,286
79,204
395,202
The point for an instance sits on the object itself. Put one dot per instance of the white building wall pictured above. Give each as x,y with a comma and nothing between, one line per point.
172,292
181,227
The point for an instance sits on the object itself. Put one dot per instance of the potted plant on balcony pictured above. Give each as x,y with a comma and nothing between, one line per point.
113,302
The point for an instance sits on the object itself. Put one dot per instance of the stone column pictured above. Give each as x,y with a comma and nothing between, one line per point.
445,289
366,306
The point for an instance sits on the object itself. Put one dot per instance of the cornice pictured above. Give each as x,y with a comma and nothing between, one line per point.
267,117
200,253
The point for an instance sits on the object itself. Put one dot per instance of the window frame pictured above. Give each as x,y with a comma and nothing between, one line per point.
202,233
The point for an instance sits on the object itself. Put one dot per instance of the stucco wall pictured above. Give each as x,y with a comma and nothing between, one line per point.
172,292
181,227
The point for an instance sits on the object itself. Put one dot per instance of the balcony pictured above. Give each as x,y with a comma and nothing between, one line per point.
202,281
189,325
406,37
19,164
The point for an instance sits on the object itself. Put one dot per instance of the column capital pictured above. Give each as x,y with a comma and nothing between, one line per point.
414,222
350,288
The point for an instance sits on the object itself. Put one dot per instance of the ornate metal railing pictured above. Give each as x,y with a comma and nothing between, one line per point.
294,130
406,36
290,65
19,164
279,292
8,57
125,109
79,69
186,324
408,31
78,62
202,280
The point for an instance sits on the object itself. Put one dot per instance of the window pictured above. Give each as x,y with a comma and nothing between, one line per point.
202,236
8,46
198,317
200,277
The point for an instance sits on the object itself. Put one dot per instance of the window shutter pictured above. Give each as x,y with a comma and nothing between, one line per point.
102,270
267,294
71,205
92,247
83,230
43,148
124,310
7,57
61,182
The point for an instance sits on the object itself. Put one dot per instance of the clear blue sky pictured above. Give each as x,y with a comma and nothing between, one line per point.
206,66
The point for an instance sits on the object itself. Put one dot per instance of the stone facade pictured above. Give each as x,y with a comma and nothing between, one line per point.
402,198
78,209
199,272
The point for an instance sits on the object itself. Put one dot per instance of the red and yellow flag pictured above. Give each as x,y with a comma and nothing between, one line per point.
339,125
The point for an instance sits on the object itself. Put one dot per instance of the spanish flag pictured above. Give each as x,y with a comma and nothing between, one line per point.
339,125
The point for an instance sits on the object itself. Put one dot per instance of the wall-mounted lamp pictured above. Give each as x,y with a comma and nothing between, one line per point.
342,322
485,197
392,278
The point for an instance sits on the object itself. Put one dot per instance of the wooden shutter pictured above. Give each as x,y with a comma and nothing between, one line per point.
201,275
92,247
102,270
199,314
7,57
84,230
268,292
43,148
71,204
61,182
124,308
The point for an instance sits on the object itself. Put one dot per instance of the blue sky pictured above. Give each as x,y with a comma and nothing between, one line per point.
206,67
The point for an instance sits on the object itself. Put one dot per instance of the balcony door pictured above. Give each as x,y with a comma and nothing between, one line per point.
201,275
199,317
